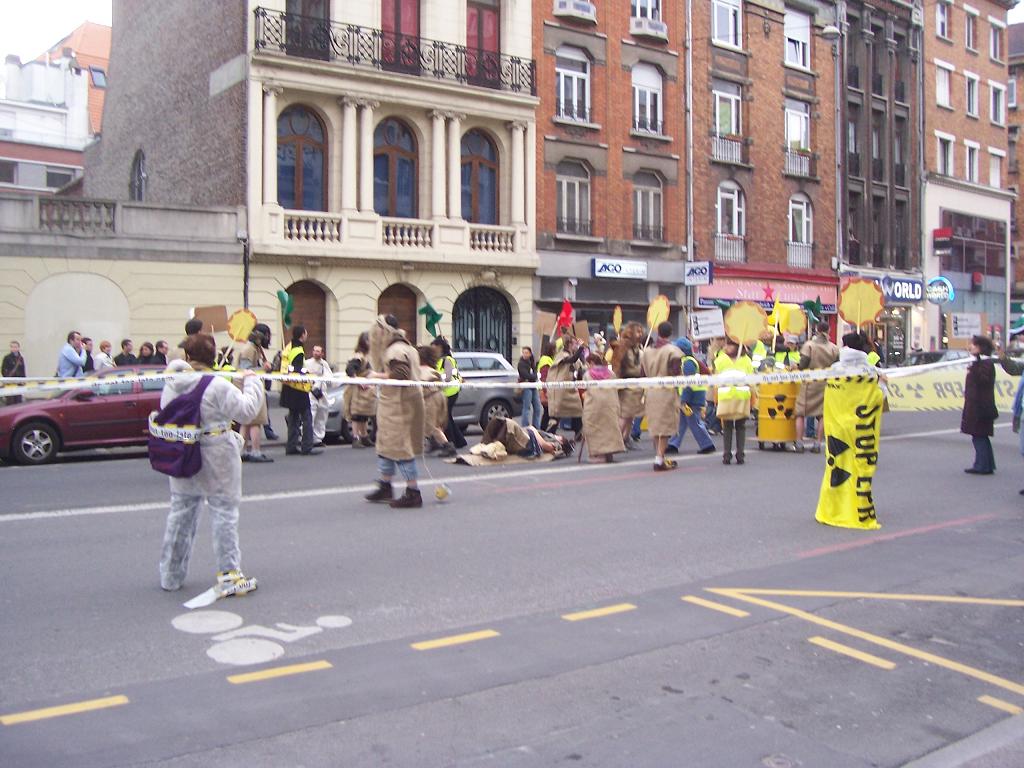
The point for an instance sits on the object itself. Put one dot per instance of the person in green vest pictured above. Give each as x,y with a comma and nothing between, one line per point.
543,365
787,356
734,401
295,397
449,370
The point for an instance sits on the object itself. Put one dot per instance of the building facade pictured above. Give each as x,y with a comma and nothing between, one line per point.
383,151
966,222
1015,119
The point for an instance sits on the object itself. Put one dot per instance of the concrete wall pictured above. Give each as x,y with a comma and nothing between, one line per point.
172,97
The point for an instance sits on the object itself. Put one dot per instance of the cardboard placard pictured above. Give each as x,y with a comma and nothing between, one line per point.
215,318
707,324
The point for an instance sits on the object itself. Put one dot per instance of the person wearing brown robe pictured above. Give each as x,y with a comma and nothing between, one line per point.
399,413
359,403
601,424
565,404
626,365
662,359
817,353
435,405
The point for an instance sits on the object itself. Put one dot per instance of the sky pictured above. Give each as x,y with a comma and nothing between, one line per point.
29,28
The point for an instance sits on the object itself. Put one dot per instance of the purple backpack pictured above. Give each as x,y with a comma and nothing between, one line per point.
174,434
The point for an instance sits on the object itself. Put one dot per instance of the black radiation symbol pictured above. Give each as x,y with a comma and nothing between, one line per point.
837,447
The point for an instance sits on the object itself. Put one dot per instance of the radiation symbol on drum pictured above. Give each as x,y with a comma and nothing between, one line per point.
779,408
837,448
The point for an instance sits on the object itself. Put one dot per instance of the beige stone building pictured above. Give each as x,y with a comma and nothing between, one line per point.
383,153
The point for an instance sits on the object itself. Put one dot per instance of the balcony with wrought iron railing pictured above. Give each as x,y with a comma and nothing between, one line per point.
573,111
877,85
730,248
728,149
899,90
800,163
650,124
648,233
315,38
853,163
877,169
800,254
853,76
579,227
899,175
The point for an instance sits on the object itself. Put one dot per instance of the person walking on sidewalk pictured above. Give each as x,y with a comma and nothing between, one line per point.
979,413
692,401
531,397
14,368
295,397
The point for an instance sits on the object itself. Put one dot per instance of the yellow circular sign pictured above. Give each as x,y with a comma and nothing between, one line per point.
240,325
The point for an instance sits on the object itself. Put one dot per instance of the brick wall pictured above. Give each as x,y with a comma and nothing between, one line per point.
159,101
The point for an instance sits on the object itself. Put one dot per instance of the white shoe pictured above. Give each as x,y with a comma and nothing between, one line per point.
235,583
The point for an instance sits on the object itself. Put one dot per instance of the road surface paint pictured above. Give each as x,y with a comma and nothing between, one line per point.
597,613
714,606
1006,706
274,672
876,538
887,596
206,622
853,653
444,642
64,709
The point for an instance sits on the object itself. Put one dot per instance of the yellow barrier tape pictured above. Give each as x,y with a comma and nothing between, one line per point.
943,390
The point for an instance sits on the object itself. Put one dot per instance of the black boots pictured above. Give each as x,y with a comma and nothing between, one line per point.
383,494
411,499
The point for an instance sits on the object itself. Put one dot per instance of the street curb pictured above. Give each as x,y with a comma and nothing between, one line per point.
980,744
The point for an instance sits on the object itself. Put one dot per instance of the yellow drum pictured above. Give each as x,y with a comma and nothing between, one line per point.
776,413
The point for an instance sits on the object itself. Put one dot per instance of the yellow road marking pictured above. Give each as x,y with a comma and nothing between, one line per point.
443,642
853,653
599,612
63,709
887,596
1006,706
884,642
714,606
268,674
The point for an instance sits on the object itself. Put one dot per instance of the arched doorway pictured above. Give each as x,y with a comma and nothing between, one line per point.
400,301
482,322
309,308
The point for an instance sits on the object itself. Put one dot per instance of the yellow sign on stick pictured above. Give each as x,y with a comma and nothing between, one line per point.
241,324
745,322
861,301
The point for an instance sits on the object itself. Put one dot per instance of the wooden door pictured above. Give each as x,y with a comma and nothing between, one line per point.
400,301
310,310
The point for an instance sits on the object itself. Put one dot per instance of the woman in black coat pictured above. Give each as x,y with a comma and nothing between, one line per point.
980,406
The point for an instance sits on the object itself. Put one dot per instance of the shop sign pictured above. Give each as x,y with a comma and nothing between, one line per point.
707,325
902,290
698,273
966,325
620,269
766,292
940,290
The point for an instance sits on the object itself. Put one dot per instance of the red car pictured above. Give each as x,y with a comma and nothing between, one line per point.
107,415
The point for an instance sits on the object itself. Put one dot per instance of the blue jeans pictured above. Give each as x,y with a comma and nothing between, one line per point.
532,411
984,458
407,468
696,424
634,432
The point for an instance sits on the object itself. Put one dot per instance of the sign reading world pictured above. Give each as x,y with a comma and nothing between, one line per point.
620,269
902,290
940,290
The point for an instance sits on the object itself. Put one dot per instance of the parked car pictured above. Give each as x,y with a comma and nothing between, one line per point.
474,406
938,356
107,415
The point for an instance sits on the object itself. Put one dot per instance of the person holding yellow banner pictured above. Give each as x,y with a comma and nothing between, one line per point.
853,423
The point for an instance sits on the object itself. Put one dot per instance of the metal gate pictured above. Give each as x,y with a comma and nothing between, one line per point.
482,322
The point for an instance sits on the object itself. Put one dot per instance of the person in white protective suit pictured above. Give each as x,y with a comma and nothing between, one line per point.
220,479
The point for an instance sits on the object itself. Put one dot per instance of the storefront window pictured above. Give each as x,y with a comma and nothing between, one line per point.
979,245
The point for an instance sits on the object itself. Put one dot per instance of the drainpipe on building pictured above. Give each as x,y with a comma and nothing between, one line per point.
690,291
923,239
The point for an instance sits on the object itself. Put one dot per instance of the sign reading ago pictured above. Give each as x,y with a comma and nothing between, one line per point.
620,269
698,273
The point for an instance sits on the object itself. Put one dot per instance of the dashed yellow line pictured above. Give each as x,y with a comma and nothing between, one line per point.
714,606
63,709
269,674
444,642
853,653
1006,706
884,642
597,613
887,596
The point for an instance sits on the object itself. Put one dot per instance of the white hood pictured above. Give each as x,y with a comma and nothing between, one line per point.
182,383
853,357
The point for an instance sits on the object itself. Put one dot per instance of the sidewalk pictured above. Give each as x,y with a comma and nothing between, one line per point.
998,746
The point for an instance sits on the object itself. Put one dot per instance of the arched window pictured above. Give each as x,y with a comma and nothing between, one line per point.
301,160
572,79
137,180
647,99
572,198
482,322
801,224
479,179
731,210
394,170
647,207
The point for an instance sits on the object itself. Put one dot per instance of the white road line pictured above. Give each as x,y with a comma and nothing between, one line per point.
570,466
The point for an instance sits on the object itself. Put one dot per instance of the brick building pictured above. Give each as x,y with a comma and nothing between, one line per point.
383,152
1015,119
967,202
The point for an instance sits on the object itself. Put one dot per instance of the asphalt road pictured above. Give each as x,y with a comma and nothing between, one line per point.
549,614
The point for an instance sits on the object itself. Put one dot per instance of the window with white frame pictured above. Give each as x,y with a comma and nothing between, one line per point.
647,207
971,87
798,125
572,198
943,75
942,20
727,22
971,28
801,225
1011,93
728,99
944,154
730,210
646,9
647,99
572,77
972,150
995,167
997,103
995,38
798,38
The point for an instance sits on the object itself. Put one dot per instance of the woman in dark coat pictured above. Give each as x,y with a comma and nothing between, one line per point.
980,406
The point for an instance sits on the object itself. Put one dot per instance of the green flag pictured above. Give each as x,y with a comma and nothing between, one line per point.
287,305
431,317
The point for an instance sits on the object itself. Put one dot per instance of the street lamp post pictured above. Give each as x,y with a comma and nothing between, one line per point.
833,33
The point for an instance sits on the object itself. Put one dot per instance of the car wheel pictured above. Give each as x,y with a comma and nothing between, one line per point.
35,443
495,409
